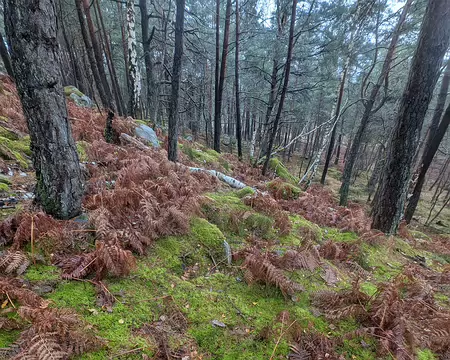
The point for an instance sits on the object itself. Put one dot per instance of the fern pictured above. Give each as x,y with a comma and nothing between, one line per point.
13,262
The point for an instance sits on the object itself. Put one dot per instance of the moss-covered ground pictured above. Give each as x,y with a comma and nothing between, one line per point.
193,273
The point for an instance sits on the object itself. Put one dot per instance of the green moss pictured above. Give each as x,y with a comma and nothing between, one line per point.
4,187
8,337
41,272
199,156
5,180
368,288
277,166
426,354
68,90
259,224
244,192
286,190
81,150
142,122
15,150
4,132
338,235
4,119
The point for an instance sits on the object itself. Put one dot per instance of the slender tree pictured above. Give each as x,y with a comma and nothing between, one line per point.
433,42
98,55
133,72
221,83
90,53
238,103
176,78
287,71
434,139
369,109
4,53
146,42
32,33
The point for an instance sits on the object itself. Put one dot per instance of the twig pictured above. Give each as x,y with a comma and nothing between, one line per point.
10,301
32,240
279,339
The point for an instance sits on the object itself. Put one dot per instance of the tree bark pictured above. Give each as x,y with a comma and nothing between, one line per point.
217,126
369,110
238,104
287,72
98,56
146,41
223,69
433,42
430,152
134,81
90,53
32,32
176,75
112,68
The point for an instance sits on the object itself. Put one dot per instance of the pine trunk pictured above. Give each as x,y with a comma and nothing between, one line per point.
176,75
32,33
238,104
369,109
287,72
433,42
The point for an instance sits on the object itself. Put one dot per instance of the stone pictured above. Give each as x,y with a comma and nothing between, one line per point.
147,134
77,96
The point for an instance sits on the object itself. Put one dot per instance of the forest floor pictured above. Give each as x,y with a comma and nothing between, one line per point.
264,272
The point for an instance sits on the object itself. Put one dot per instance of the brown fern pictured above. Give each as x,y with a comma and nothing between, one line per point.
13,262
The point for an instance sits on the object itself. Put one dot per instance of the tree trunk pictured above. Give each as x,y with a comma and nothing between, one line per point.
134,80
433,42
176,75
368,108
98,55
336,115
112,69
217,126
223,69
146,41
430,152
5,57
32,33
285,86
238,104
90,53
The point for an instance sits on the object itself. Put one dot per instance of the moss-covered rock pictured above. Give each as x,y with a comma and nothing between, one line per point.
245,192
283,190
4,187
15,150
281,171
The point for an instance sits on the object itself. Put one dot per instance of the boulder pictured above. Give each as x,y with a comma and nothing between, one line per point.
148,135
77,96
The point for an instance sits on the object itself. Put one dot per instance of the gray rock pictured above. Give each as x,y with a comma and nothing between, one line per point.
147,134
218,323
82,101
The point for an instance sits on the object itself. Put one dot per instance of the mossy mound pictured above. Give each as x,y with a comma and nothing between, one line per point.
16,150
235,219
283,190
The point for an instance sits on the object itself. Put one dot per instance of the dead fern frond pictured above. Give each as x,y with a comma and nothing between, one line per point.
261,269
13,262
112,259
14,289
